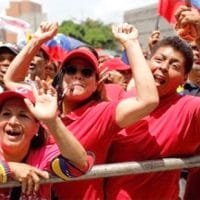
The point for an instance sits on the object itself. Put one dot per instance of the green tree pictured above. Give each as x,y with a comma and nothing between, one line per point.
72,29
90,31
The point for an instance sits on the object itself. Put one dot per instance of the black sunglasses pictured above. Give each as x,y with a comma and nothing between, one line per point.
87,72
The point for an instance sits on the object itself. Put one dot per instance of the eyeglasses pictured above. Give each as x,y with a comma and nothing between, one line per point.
87,72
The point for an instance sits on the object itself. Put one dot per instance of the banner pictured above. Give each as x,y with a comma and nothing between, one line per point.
167,8
60,45
13,24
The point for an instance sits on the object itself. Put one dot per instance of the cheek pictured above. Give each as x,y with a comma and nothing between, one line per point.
2,125
93,84
65,82
176,78
152,65
66,78
175,74
31,129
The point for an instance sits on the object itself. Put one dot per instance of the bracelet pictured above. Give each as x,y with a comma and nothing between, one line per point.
3,177
64,169
5,172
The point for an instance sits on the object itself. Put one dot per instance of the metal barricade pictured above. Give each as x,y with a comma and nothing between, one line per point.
126,168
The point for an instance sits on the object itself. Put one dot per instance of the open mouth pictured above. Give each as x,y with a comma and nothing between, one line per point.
197,61
159,79
32,66
77,85
13,133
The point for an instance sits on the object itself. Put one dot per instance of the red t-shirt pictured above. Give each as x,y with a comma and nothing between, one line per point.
172,130
94,126
40,158
114,91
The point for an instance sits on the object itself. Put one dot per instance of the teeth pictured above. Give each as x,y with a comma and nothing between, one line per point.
14,133
159,79
32,66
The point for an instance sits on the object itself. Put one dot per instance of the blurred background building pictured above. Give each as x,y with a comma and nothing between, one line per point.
26,10
145,20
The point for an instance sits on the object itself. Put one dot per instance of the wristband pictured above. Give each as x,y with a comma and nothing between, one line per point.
64,169
5,172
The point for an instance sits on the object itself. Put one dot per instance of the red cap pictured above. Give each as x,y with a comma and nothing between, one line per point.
45,49
114,64
20,92
81,53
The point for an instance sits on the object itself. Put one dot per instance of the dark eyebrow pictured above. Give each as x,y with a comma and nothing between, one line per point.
175,60
172,59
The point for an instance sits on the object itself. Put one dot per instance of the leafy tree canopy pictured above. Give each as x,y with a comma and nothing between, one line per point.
92,32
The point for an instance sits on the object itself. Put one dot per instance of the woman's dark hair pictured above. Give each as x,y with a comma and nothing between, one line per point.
39,139
179,45
57,84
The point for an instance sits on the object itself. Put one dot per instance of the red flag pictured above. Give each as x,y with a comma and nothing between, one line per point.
167,8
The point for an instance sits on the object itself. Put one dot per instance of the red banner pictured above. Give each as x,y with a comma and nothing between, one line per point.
167,8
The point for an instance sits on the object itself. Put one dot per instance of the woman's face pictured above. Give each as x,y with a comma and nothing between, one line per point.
167,65
17,126
50,70
79,81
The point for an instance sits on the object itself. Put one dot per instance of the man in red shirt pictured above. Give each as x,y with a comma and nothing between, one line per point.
172,129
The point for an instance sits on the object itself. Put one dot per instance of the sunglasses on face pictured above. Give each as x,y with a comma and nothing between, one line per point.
86,72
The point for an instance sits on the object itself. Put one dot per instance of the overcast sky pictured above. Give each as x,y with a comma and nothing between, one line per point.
108,11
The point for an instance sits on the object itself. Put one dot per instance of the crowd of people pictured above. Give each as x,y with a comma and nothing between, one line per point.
65,117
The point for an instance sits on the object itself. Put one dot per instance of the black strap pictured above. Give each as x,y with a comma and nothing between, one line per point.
15,193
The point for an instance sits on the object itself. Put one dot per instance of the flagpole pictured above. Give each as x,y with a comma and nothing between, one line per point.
157,23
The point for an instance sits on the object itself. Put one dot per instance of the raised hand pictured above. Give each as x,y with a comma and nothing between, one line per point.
180,10
45,108
154,38
28,176
188,23
125,32
46,31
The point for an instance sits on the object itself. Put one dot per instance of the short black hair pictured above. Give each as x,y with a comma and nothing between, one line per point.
179,45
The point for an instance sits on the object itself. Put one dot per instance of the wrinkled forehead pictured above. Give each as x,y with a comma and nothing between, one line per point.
168,51
17,106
